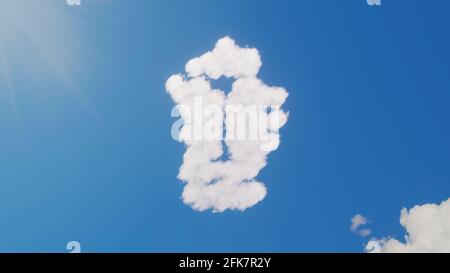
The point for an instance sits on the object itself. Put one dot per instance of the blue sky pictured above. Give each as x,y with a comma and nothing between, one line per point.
86,152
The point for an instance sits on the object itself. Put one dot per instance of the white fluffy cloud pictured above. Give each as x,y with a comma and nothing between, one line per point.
356,222
427,230
227,59
211,182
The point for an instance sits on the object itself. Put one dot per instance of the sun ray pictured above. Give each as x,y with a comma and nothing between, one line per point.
20,19
6,75
58,68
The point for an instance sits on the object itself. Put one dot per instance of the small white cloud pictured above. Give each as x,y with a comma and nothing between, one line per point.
356,222
427,230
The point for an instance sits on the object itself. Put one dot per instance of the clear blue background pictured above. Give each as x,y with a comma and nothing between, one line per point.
368,131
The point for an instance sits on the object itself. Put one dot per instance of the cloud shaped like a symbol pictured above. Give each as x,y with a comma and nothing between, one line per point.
212,182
